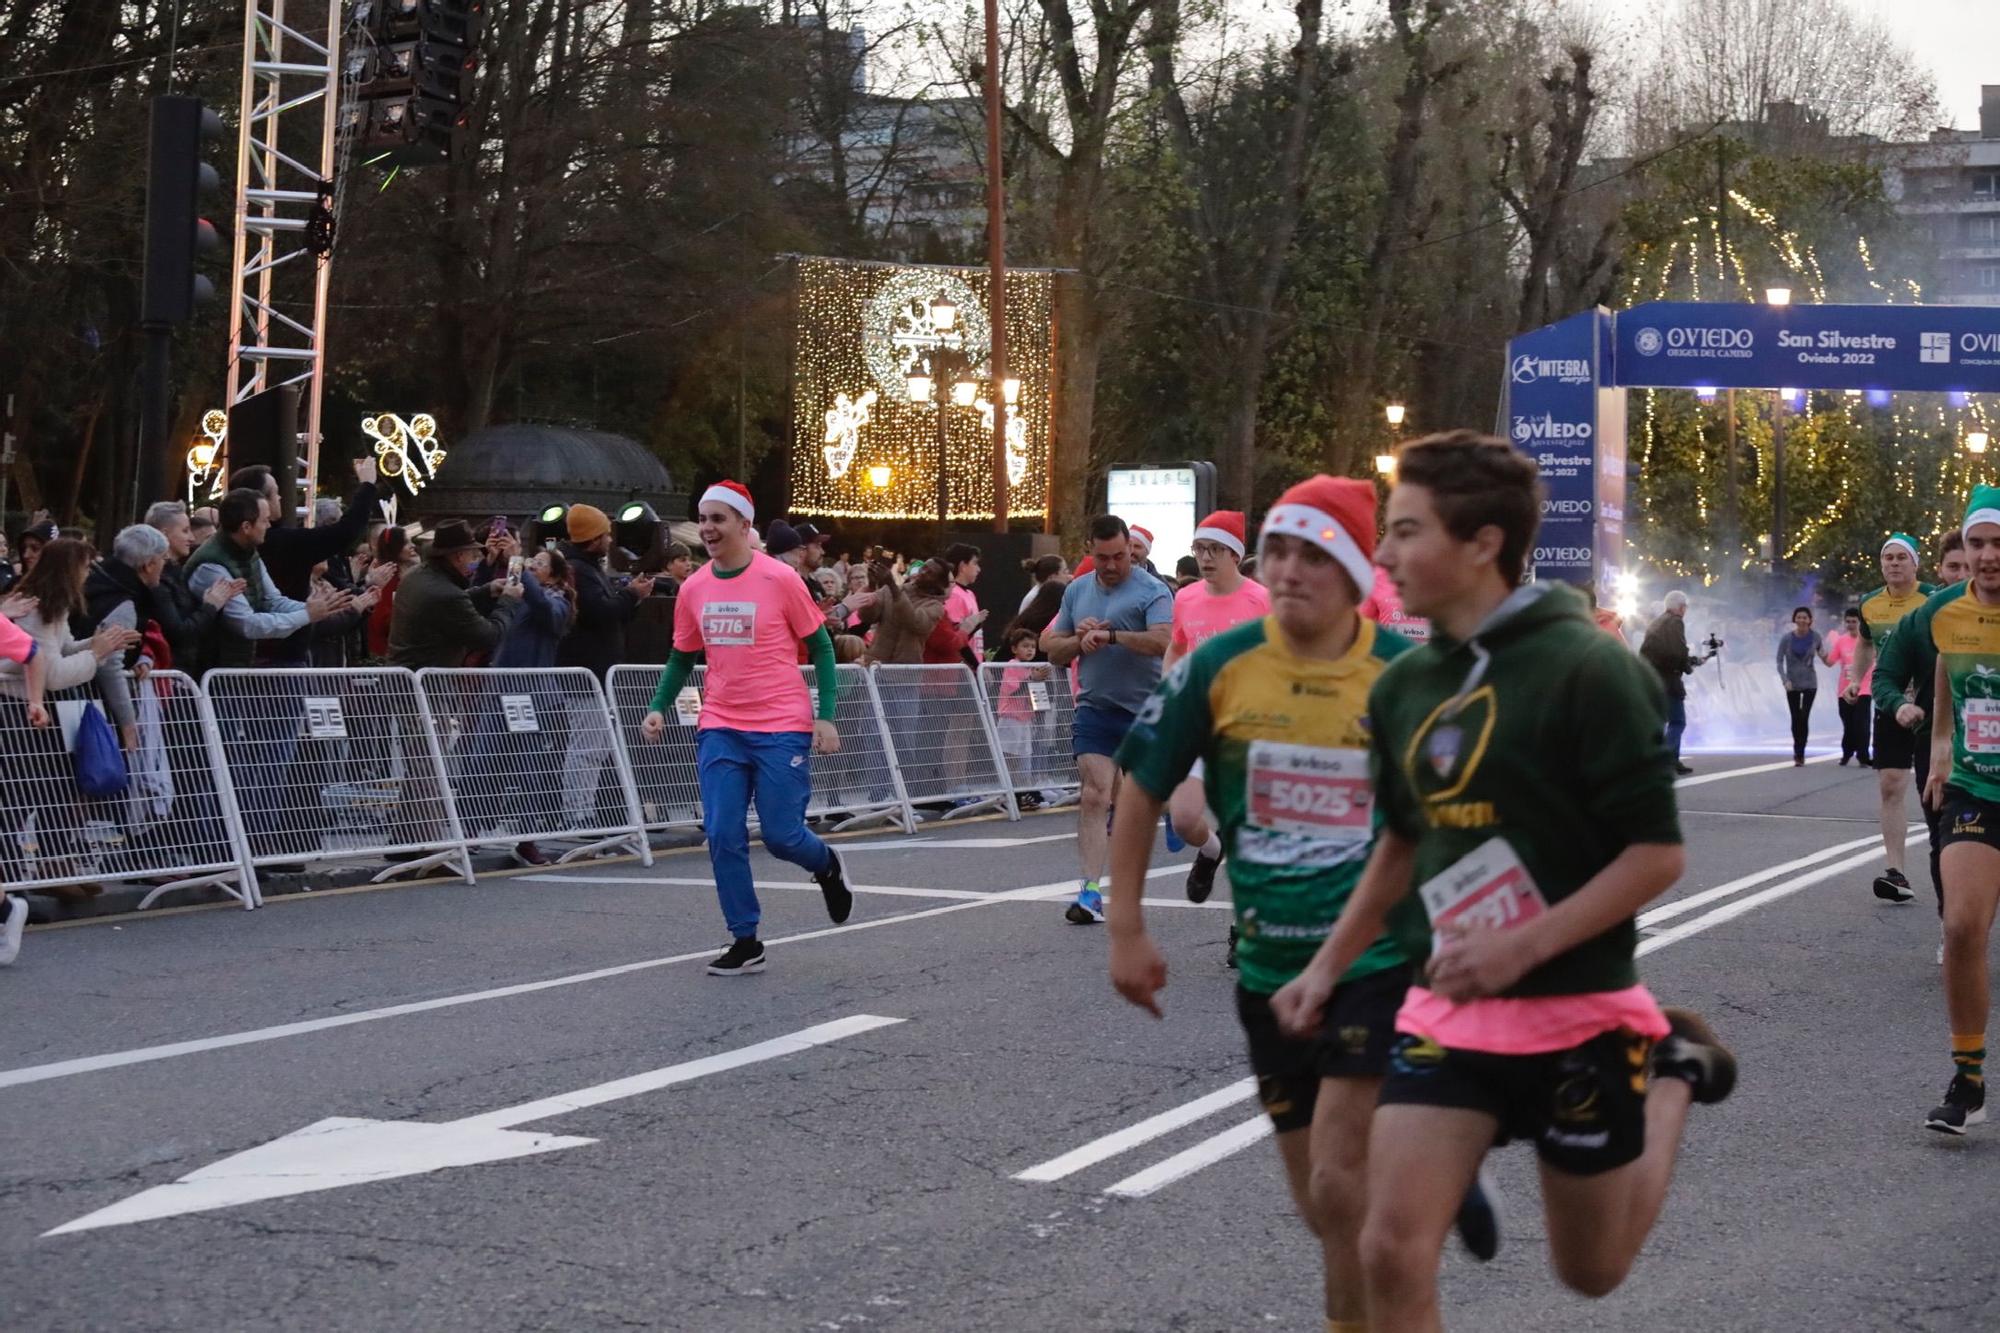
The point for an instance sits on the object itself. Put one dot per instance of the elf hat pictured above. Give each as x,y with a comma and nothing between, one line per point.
1983,507
1336,514
1906,541
734,494
1225,528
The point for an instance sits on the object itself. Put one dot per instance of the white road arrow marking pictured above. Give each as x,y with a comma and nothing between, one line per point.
341,1151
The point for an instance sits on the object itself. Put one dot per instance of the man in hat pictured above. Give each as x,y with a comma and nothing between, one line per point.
596,642
441,619
1221,600
812,546
1522,795
748,613
1277,708
1960,628
1895,737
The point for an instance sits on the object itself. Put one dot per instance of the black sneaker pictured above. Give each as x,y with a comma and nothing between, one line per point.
1229,959
1478,1223
530,855
1964,1106
743,958
833,887
1891,887
1693,1054
1683,770
1201,877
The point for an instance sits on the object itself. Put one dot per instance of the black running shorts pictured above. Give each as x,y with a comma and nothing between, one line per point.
1360,1029
1584,1108
1896,744
1968,819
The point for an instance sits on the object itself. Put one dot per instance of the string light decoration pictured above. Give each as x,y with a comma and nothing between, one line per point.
204,459
406,451
844,421
864,329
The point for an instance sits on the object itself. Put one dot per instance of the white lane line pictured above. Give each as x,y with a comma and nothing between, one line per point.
1701,779
91,1064
1746,905
1215,1148
950,844
1188,1161
889,890
1682,906
1772,814
1124,1140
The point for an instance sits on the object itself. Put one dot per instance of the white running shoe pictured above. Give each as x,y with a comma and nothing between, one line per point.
11,926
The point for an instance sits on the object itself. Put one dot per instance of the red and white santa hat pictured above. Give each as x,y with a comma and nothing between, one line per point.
1225,528
734,494
1143,535
1336,514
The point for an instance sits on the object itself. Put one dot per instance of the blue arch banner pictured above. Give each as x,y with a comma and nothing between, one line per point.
1563,395
1689,345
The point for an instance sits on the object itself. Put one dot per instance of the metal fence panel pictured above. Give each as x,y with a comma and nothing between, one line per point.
169,824
530,755
943,739
860,784
336,765
1033,711
662,772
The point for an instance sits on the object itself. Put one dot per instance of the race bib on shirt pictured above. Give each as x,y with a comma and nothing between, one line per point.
1487,887
1982,726
729,624
1306,805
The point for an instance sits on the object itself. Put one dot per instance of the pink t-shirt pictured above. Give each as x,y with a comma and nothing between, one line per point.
1201,613
16,644
1840,651
960,603
750,625
1530,1026
1385,608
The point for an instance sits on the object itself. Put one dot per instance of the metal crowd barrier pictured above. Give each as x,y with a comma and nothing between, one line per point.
331,765
529,755
1033,710
266,767
943,740
171,825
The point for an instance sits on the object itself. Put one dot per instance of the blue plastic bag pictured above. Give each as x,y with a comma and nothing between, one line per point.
100,763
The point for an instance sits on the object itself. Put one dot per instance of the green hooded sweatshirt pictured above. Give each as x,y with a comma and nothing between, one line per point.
1544,731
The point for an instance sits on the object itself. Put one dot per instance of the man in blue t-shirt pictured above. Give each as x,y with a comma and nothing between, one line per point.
1115,625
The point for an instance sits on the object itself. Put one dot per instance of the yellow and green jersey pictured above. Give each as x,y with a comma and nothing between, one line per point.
1965,633
1882,610
1284,741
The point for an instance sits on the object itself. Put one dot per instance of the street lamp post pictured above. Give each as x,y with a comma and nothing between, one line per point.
948,378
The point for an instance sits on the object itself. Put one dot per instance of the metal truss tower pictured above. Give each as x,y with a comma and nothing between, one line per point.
290,120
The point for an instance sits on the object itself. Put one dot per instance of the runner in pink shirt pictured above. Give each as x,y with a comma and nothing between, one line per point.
748,612
17,645
1856,707
1222,600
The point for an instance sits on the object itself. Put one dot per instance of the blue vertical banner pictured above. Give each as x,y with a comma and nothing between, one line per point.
1551,415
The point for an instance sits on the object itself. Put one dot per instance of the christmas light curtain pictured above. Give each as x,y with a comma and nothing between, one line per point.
861,447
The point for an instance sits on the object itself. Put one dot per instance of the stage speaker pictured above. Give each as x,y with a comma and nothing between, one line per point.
264,428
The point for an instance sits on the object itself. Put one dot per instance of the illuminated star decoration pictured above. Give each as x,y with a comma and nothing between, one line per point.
204,459
844,421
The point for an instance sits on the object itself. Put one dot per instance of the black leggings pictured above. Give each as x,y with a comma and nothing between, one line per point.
1800,702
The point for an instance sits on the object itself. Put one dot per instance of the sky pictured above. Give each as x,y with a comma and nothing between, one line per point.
1958,39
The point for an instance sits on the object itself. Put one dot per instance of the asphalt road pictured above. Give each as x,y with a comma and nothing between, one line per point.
869,1181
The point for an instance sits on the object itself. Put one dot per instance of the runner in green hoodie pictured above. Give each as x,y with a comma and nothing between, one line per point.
1526,797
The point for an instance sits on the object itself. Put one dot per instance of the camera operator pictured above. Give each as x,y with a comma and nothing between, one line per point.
1666,648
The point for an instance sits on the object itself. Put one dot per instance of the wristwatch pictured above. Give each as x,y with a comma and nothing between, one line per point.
1113,638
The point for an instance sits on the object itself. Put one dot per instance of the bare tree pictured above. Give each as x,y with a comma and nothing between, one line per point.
1243,216
1538,170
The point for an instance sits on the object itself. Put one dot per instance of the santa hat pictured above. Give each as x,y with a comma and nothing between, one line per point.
1142,535
1336,514
1982,507
1906,541
732,493
1225,528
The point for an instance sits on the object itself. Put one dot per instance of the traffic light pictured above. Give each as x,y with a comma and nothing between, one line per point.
413,77
177,235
